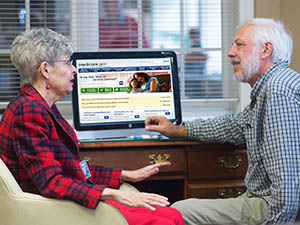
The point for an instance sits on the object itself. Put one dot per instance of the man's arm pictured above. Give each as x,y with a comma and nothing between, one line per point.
282,157
224,129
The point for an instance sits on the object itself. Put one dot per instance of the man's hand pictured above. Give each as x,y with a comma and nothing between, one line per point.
164,126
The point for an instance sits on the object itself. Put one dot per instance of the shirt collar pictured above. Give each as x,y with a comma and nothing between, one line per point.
29,90
262,80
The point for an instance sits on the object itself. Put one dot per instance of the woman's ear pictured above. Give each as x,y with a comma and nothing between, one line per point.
44,69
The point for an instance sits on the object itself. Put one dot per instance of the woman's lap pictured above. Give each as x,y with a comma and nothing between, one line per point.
142,216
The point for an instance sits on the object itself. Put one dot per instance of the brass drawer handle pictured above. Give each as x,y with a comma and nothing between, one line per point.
230,193
230,162
157,159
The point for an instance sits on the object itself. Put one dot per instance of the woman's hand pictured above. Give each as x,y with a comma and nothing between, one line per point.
164,126
142,173
135,199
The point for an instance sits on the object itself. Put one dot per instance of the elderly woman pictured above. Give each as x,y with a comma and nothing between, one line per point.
148,83
41,149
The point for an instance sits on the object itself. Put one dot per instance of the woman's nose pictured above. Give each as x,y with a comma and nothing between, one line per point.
73,69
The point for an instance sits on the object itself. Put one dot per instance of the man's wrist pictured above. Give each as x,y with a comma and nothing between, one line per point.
180,131
183,130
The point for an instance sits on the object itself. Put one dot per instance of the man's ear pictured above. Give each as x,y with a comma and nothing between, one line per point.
267,50
44,70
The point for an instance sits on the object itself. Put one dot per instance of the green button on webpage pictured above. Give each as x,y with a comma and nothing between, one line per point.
89,90
122,89
106,90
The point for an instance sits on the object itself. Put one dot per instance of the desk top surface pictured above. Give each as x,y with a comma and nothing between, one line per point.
136,143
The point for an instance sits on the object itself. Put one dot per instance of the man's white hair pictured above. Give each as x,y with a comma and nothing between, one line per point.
271,30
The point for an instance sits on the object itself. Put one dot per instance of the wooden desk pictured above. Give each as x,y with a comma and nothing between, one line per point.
198,170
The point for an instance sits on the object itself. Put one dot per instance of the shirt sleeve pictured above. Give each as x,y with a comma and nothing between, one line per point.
224,129
47,160
282,157
106,176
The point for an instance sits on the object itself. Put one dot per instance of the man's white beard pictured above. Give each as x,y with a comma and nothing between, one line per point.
250,67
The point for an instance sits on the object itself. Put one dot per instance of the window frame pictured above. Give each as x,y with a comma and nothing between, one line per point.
204,107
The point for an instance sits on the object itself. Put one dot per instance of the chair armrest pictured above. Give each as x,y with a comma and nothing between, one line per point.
128,188
30,208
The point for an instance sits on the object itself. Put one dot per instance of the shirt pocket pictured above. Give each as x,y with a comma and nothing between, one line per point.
251,136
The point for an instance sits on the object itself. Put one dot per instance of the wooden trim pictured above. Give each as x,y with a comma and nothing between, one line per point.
114,144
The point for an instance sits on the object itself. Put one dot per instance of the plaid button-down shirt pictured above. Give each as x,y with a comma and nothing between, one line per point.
41,150
270,128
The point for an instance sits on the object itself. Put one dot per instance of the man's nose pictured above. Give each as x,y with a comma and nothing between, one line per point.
231,52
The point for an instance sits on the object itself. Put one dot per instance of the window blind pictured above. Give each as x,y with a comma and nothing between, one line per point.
199,31
15,17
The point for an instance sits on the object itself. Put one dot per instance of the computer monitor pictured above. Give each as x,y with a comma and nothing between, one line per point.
103,98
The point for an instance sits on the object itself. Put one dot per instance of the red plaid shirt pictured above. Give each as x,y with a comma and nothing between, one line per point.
41,150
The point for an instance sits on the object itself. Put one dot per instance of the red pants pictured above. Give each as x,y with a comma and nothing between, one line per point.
142,216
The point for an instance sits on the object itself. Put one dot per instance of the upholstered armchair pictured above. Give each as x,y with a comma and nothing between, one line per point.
21,208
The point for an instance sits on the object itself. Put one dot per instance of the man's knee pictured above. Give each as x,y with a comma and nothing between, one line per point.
182,205
188,208
210,211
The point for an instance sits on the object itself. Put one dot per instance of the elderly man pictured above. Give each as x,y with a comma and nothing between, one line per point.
269,126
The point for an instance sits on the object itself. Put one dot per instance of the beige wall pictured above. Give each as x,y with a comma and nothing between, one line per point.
288,12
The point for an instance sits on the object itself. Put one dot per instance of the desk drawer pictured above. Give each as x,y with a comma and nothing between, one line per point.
222,189
217,164
131,159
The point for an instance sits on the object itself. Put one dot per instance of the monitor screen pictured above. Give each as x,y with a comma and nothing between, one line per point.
115,90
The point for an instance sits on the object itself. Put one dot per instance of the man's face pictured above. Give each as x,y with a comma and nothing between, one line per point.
244,55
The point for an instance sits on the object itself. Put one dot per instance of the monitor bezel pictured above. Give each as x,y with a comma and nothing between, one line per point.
121,55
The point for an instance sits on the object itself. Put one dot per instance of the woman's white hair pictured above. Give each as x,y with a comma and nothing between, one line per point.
271,30
30,48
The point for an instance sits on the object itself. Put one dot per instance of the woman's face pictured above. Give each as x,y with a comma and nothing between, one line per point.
140,78
61,76
134,83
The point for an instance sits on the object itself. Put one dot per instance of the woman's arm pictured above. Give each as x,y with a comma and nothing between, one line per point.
153,86
139,199
48,157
